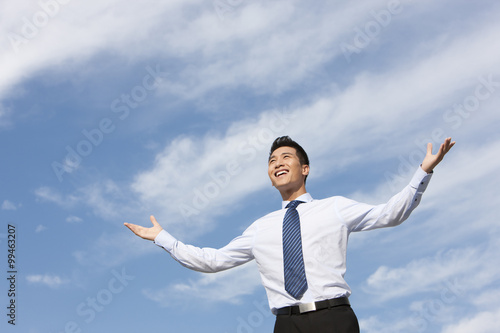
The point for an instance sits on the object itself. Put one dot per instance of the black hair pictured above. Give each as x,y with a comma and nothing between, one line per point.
286,141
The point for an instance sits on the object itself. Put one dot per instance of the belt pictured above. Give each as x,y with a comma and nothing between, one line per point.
314,306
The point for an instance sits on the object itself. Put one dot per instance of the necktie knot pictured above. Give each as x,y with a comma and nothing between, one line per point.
294,204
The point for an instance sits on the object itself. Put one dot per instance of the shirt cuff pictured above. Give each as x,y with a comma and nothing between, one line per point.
165,240
420,179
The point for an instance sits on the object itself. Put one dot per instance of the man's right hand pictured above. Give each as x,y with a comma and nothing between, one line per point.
146,233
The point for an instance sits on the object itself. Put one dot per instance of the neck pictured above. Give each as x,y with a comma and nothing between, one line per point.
290,195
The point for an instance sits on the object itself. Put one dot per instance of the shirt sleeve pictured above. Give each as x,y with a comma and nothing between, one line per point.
360,217
209,260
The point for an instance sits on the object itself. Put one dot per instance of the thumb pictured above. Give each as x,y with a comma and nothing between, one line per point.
153,220
429,148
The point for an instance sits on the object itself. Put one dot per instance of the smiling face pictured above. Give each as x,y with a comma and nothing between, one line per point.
286,172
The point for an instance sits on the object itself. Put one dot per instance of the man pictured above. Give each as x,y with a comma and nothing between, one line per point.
306,292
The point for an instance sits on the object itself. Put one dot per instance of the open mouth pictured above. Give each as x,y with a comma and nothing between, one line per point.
280,173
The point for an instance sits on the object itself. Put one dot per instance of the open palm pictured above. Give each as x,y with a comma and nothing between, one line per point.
430,160
143,232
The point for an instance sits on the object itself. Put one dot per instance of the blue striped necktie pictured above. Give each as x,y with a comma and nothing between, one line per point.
293,262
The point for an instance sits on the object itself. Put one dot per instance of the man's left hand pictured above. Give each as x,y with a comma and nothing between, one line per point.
430,161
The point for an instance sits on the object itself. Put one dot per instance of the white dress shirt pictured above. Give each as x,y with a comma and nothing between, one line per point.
325,228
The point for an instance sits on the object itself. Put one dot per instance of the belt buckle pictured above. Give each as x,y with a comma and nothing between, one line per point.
307,307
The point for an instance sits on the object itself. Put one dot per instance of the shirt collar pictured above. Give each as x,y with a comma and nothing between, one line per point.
306,197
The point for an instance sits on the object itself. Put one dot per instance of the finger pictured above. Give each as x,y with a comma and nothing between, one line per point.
447,142
441,151
429,148
153,220
130,226
133,227
448,145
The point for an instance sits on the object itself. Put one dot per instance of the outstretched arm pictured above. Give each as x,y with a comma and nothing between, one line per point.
399,207
208,260
146,233
430,161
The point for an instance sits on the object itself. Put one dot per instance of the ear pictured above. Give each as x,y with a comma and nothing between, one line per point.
305,170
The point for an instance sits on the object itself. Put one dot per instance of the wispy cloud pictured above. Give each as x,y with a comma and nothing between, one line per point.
224,167
440,285
105,198
33,46
421,275
206,176
48,194
384,102
52,281
74,219
374,324
378,105
468,213
252,49
228,287
111,250
440,288
192,28
40,228
271,68
8,205
485,321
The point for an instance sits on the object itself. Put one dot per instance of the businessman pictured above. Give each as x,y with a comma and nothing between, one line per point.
306,292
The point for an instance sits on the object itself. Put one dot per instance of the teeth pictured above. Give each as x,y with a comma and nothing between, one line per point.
280,173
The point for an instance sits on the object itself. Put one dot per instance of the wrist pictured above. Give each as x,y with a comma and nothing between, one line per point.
156,235
427,168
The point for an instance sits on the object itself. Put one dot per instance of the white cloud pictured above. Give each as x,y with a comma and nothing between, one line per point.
52,281
382,101
228,287
106,198
206,176
433,293
452,274
374,324
66,34
455,207
438,289
8,205
185,29
45,193
482,322
251,49
375,106
488,299
188,173
420,275
40,228
74,219
111,250
268,48
261,39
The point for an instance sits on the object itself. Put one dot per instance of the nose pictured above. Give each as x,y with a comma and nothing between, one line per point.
279,163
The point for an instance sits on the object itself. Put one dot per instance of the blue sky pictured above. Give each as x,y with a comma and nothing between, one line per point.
111,111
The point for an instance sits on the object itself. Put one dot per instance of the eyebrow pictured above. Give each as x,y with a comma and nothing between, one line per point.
283,153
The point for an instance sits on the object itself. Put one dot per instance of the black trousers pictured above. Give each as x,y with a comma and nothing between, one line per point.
338,319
